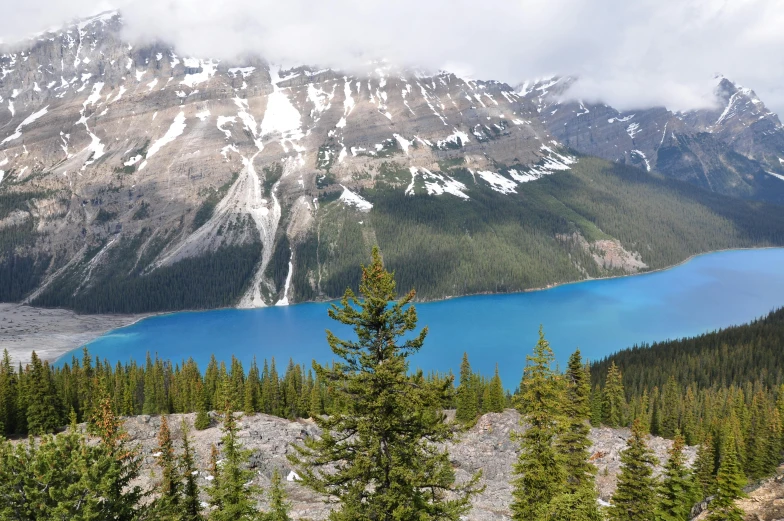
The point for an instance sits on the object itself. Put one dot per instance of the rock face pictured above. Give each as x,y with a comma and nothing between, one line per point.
735,149
118,162
103,144
486,447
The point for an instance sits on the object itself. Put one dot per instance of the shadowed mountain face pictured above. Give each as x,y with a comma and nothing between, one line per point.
136,179
735,149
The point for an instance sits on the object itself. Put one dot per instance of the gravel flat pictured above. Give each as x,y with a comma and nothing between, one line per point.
51,332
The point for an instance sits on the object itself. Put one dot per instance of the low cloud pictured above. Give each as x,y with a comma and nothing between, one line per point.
627,54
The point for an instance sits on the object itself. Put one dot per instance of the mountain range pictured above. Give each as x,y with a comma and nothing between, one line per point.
136,179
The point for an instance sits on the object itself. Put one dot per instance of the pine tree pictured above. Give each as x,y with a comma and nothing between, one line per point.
44,409
635,497
191,506
170,484
774,445
495,394
202,416
613,398
670,417
758,440
388,434
573,443
705,467
677,492
117,468
729,484
231,497
540,474
467,410
8,395
252,396
279,507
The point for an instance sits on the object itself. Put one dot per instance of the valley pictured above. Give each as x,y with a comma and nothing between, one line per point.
127,170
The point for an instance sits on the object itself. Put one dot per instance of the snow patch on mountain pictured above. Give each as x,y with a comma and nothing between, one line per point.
28,120
349,198
175,130
455,140
281,117
497,182
620,120
208,68
436,183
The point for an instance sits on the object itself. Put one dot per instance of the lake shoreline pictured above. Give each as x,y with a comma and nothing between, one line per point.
64,330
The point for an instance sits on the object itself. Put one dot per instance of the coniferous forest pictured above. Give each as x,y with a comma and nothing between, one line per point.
382,453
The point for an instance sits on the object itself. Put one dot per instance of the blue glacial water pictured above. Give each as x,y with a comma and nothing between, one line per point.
600,317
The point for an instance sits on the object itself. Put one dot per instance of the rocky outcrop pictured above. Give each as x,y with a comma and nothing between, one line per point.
736,148
486,446
104,143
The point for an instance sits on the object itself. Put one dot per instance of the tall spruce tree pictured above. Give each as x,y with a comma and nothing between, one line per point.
8,395
678,491
635,495
232,495
467,410
573,443
613,398
540,474
386,438
44,408
495,394
279,508
729,484
117,468
190,509
170,486
705,467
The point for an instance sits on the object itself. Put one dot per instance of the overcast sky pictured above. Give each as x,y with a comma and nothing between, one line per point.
628,53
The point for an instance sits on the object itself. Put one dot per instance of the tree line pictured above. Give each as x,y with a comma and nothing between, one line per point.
382,453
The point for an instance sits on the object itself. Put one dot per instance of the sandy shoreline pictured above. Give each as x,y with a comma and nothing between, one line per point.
51,332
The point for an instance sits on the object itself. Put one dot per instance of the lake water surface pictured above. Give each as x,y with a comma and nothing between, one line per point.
600,317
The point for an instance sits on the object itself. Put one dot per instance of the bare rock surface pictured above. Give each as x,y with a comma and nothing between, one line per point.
51,332
486,446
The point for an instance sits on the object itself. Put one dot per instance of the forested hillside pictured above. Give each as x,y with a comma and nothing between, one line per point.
737,425
742,355
597,219
726,383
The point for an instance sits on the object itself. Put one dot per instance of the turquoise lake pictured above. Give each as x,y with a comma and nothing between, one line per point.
600,317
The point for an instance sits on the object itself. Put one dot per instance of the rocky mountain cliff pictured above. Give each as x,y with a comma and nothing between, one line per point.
486,446
136,179
735,149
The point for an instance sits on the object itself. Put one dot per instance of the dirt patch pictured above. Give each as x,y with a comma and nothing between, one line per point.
51,332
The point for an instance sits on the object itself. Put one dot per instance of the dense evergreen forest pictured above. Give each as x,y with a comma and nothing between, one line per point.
442,245
499,243
368,398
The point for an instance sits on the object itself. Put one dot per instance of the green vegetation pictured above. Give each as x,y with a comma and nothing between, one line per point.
553,474
119,284
728,357
495,243
142,212
384,443
634,497
80,476
385,428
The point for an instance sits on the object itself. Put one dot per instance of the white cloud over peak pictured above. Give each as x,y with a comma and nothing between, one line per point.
629,54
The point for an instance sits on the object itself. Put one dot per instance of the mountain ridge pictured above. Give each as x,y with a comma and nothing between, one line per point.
130,169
